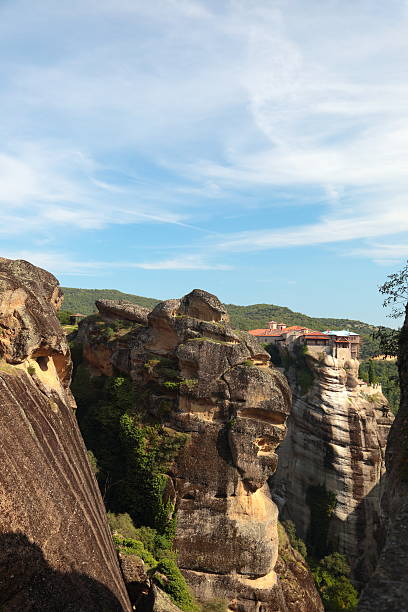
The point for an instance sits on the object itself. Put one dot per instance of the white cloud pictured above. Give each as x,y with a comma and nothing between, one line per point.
383,254
374,223
229,97
59,263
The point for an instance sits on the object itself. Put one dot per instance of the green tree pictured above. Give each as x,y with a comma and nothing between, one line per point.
396,290
335,588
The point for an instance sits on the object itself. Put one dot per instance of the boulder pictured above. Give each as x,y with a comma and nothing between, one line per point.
122,310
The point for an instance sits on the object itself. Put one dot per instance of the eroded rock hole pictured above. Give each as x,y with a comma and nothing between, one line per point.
42,362
275,418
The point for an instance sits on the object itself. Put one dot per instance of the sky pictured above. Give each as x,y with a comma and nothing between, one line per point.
257,149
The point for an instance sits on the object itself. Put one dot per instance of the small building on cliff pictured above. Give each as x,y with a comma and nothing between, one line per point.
338,343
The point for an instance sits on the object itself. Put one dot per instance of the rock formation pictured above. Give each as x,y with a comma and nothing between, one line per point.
388,587
333,456
56,552
122,310
215,384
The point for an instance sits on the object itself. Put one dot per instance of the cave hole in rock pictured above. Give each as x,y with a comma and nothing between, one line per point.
275,418
188,496
42,361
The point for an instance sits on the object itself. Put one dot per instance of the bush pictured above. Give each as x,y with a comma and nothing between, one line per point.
122,524
297,543
335,588
31,370
175,585
130,546
92,462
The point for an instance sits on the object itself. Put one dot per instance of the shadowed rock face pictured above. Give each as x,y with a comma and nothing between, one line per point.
336,439
233,406
388,587
56,552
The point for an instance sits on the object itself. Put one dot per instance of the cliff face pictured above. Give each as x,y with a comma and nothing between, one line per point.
224,394
56,552
331,463
388,587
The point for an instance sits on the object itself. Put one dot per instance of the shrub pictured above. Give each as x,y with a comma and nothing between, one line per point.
31,370
297,543
248,362
130,546
93,463
190,383
175,585
336,590
122,524
172,386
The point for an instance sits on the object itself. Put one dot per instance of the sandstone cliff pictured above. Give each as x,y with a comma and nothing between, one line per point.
56,552
388,587
331,463
216,385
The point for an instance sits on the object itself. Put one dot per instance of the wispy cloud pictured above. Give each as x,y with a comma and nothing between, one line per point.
186,109
383,254
59,263
330,230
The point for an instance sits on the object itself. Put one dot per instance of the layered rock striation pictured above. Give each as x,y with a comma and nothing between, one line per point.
331,463
388,587
200,377
56,552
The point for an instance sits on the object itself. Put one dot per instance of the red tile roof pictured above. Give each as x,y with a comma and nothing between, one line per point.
265,332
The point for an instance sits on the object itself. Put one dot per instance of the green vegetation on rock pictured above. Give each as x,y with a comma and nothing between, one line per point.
296,542
331,575
156,552
132,456
385,373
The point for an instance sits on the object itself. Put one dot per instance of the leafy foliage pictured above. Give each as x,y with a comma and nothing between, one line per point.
387,340
156,552
64,317
296,542
336,590
132,456
386,373
396,290
175,585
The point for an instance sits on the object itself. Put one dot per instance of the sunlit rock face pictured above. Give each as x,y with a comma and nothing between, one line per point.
336,440
232,404
56,552
388,587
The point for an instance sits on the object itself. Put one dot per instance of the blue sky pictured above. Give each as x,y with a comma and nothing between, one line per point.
258,150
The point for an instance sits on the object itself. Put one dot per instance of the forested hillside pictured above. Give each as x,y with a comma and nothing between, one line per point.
83,300
242,317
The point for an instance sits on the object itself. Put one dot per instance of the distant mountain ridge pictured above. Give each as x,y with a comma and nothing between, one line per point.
242,317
